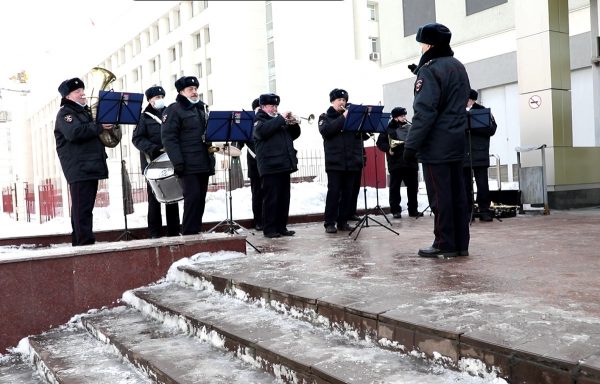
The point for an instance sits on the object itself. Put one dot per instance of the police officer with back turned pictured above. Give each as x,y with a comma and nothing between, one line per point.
437,135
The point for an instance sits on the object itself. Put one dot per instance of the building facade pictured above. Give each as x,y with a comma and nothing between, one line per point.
301,50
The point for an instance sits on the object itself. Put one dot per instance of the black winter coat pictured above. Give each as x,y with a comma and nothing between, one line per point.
480,143
343,149
183,132
440,118
81,153
274,140
146,136
396,131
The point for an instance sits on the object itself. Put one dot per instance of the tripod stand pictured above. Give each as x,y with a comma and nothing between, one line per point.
219,123
372,115
120,108
126,235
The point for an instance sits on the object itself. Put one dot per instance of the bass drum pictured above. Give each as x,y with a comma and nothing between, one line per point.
163,181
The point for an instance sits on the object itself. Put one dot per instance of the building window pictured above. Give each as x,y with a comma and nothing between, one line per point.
122,56
173,78
372,11
416,13
154,33
374,44
137,46
206,35
172,54
179,49
197,40
201,96
199,70
155,64
210,97
208,66
135,75
176,19
474,6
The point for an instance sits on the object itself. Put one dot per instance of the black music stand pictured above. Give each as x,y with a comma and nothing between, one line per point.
228,126
480,118
120,108
365,119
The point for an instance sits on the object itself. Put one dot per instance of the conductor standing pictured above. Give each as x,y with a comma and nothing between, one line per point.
437,135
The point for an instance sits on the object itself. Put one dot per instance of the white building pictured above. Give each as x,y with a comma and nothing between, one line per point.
301,50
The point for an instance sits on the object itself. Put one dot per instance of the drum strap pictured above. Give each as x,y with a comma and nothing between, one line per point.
154,117
159,122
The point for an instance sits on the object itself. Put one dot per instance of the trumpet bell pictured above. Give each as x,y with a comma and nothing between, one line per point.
309,119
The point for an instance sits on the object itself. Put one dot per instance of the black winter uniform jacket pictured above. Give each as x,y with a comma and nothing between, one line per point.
343,149
183,135
397,131
81,153
274,141
147,137
480,143
440,119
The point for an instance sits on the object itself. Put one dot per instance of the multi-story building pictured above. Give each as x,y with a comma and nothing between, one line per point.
512,50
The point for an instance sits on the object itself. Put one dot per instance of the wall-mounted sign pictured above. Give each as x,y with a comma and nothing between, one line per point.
535,101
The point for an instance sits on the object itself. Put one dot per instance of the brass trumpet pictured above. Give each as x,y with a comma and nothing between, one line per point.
394,143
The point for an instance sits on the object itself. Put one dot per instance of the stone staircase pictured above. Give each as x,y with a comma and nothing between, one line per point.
181,330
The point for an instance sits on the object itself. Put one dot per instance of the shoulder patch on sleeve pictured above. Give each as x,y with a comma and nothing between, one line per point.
68,118
418,85
256,123
164,118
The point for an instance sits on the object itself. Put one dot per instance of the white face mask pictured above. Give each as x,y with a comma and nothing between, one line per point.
192,100
159,104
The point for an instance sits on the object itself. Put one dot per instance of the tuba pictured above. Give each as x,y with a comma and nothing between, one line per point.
101,79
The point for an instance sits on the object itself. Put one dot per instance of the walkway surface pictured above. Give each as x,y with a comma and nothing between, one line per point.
530,287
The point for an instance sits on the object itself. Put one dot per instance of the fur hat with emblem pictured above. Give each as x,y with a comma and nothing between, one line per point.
186,81
269,99
69,86
338,93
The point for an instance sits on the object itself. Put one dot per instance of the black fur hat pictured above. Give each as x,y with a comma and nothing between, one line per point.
69,86
338,94
434,34
473,95
398,111
186,81
255,104
268,99
154,91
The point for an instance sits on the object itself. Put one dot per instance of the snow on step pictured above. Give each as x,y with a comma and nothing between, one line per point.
290,348
14,370
71,355
166,353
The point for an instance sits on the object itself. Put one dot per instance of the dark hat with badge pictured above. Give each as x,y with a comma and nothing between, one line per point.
338,94
154,91
186,81
473,95
434,34
255,103
69,86
398,111
268,99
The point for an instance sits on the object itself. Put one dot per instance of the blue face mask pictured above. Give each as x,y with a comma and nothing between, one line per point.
193,101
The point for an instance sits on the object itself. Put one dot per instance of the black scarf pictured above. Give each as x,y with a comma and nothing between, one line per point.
434,52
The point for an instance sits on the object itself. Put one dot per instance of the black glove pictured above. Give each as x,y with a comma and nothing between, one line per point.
412,67
178,169
409,155
156,152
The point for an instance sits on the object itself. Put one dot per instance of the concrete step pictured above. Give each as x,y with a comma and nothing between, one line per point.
13,370
166,354
290,349
69,355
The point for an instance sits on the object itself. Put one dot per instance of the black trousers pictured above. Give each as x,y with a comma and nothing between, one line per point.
194,188
83,197
448,202
483,187
155,216
276,202
355,192
257,200
410,176
338,203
